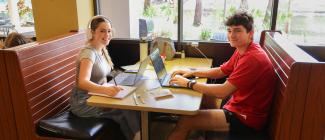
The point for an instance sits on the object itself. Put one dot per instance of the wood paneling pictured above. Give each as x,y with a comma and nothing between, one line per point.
41,78
7,119
295,115
314,116
295,95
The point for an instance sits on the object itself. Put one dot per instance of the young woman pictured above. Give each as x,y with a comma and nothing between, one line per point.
93,66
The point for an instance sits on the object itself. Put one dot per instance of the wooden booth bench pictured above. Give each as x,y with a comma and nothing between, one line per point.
7,121
36,84
298,107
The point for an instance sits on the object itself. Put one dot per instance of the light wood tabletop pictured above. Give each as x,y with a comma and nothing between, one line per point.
183,101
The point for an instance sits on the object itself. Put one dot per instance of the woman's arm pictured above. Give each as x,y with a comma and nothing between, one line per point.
85,83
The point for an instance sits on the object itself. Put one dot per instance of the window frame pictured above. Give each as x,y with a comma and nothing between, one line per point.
180,29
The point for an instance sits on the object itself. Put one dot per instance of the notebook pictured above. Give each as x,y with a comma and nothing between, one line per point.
122,94
130,79
159,67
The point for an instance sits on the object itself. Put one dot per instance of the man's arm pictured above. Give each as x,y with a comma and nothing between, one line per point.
210,73
217,90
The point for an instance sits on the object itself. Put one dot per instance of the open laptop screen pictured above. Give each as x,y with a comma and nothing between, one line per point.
130,79
142,69
158,65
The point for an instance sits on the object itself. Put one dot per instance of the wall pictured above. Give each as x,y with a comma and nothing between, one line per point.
85,10
134,17
57,17
118,12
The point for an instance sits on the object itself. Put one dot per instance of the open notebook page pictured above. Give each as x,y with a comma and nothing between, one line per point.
122,94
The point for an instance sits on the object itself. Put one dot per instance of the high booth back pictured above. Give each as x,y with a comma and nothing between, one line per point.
298,107
40,77
7,120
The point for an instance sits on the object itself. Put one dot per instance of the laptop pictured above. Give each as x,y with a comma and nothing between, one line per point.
130,79
122,94
159,67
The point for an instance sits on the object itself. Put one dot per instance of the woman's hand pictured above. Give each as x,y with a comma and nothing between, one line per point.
112,90
184,73
179,80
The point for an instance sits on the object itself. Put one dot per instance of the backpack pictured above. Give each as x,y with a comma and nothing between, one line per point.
165,45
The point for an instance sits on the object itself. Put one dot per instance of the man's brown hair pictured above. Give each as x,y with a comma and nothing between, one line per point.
241,18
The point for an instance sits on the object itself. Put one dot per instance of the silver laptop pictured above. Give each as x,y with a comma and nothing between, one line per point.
159,67
130,79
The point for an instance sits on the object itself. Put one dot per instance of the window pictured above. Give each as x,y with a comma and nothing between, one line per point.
16,16
201,19
25,13
157,18
302,22
204,19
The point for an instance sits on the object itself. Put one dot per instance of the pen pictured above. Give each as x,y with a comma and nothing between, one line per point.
114,81
141,100
135,99
112,69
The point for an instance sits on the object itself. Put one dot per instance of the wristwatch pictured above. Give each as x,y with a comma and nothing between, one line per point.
191,83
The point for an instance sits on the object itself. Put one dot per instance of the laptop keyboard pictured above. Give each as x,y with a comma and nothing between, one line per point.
125,79
166,81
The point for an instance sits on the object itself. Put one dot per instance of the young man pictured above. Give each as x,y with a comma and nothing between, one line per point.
251,81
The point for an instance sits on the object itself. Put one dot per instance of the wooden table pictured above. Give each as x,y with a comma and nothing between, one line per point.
184,101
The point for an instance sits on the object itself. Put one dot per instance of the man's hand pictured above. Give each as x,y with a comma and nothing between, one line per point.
179,80
184,73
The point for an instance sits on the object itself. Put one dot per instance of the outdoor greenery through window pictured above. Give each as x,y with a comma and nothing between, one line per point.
301,21
25,13
16,15
158,18
202,19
